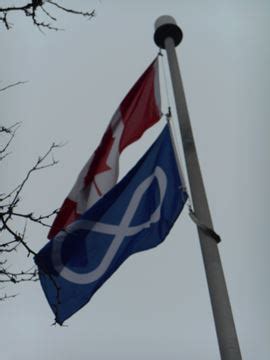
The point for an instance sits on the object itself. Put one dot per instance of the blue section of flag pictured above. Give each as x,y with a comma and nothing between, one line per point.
135,215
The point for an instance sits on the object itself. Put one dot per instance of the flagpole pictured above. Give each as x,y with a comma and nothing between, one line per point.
167,36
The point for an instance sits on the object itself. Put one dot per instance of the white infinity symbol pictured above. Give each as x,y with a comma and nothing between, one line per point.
119,231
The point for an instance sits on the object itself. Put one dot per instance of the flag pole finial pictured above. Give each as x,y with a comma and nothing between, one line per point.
165,26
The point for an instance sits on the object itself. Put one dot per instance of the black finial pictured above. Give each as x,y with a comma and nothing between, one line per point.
166,27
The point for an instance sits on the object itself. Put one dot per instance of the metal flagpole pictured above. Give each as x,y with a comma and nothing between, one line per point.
167,36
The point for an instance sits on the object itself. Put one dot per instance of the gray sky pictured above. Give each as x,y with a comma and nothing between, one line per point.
156,305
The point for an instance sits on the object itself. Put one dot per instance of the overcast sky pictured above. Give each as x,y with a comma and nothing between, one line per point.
156,306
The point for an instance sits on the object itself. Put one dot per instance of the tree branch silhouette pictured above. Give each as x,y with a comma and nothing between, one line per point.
35,8
13,239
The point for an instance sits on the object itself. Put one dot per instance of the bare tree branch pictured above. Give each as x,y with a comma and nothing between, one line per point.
11,131
38,219
31,10
8,130
12,232
87,14
14,84
5,297
39,165
14,239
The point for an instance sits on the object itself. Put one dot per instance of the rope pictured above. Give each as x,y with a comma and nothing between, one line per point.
203,227
209,232
178,152
165,78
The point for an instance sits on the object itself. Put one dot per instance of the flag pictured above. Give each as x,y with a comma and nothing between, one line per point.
139,110
135,215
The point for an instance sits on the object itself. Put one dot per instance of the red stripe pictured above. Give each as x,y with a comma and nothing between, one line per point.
139,108
99,162
66,215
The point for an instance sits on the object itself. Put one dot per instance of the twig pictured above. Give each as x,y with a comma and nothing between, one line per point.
38,219
12,85
83,13
31,10
11,131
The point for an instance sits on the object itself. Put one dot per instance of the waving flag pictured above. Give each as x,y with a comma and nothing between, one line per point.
135,215
139,110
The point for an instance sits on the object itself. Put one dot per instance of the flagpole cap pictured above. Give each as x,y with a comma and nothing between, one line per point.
166,27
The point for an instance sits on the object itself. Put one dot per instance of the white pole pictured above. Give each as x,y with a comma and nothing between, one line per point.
167,36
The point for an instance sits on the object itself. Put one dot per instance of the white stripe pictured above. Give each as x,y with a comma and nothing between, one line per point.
86,197
156,85
119,232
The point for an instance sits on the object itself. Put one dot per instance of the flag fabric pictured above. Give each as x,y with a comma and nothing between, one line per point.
139,110
135,215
